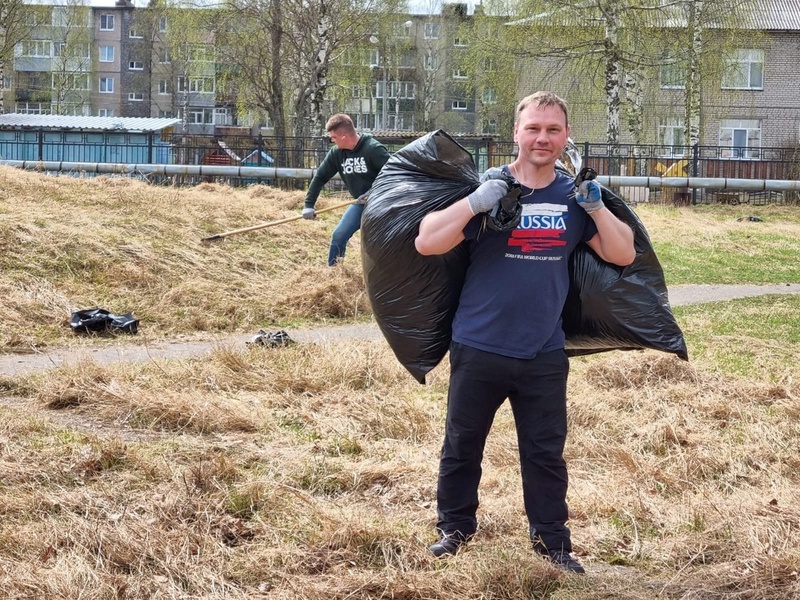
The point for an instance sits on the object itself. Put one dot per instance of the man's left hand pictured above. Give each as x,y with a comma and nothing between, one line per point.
362,199
589,196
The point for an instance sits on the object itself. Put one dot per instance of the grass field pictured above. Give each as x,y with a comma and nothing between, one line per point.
309,471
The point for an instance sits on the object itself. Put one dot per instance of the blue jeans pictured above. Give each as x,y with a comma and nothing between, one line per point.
348,225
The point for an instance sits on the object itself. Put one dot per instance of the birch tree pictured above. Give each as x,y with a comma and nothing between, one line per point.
12,30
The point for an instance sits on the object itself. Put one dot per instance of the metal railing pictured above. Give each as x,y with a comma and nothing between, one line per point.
679,175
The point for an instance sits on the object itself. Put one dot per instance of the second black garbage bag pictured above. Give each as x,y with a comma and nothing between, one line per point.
414,297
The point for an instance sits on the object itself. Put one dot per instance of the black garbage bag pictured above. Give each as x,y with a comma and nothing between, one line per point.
620,308
100,320
414,297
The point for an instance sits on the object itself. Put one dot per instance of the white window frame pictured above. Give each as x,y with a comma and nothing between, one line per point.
107,22
459,42
431,31
744,70
135,96
671,74
163,87
106,85
105,112
740,138
459,105
430,62
104,52
162,24
460,75
36,48
136,65
134,34
489,95
672,137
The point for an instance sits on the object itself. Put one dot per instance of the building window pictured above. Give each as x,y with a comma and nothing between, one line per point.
36,48
201,53
106,85
200,116
162,24
136,97
431,31
374,58
197,85
358,91
430,63
459,74
489,96
404,90
105,112
489,64
135,34
106,53
744,70
136,65
163,86
165,114
672,137
70,81
672,74
164,56
459,105
459,42
740,138
65,50
106,22
489,125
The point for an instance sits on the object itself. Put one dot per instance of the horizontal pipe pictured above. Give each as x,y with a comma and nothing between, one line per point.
711,183
154,169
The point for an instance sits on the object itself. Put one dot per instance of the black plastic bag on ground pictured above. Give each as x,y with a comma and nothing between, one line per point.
99,320
414,297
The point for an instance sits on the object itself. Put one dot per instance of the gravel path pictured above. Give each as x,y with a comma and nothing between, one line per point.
139,349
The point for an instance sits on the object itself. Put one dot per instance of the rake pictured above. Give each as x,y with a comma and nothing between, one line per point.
225,234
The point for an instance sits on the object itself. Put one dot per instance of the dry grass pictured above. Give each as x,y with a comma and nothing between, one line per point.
69,244
309,471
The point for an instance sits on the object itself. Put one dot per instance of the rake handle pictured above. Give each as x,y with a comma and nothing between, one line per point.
225,234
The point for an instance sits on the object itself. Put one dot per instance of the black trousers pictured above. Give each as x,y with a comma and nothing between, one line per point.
479,384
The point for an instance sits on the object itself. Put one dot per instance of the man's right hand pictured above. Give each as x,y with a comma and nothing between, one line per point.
309,213
487,195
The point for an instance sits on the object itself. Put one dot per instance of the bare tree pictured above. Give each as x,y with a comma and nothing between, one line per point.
13,29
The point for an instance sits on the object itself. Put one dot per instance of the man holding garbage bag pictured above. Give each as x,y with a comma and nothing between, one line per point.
507,339
358,159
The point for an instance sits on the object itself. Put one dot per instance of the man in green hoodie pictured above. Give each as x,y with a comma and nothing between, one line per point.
358,159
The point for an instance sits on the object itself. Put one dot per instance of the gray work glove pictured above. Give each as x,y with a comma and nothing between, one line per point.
493,173
487,195
309,213
589,196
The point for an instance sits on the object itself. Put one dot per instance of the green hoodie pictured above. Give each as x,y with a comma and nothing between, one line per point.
358,168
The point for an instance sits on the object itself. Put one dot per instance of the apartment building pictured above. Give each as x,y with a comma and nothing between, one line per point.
115,58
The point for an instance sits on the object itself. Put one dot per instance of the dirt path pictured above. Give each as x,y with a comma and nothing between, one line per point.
140,349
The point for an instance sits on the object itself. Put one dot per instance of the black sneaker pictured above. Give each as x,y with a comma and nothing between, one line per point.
565,561
449,544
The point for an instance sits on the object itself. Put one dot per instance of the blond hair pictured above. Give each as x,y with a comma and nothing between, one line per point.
540,99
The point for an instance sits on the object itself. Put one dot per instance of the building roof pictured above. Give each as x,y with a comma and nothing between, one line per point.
758,15
138,124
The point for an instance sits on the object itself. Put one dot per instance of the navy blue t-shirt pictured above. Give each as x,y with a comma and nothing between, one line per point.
517,281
